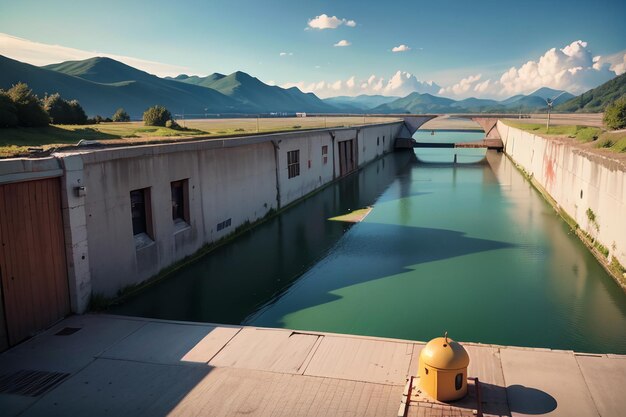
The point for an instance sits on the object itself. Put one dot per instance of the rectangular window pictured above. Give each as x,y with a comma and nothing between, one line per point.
293,163
180,201
378,141
325,154
141,212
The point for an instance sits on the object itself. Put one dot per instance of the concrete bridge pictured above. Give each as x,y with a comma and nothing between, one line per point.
487,122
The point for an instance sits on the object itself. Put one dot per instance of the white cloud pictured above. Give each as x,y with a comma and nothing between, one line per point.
39,54
463,86
616,62
324,21
400,84
621,67
482,87
572,68
286,54
403,83
400,48
342,42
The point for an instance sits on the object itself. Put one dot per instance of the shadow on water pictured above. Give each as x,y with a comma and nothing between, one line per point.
237,278
471,249
397,249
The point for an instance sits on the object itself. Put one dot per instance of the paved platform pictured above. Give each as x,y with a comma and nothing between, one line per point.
102,365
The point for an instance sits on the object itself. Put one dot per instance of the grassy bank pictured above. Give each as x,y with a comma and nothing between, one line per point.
614,141
16,141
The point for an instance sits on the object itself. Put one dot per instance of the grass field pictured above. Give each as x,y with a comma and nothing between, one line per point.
615,141
16,141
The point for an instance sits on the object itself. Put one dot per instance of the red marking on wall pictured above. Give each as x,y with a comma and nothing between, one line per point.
549,163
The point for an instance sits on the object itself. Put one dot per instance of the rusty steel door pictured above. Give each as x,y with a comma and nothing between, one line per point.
32,257
346,157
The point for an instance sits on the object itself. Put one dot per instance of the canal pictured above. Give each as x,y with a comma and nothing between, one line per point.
471,249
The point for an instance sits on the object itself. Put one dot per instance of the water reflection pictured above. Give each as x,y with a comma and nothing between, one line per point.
472,249
449,155
237,278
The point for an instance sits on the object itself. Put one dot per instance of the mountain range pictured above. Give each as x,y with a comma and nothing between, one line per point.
102,85
428,103
253,93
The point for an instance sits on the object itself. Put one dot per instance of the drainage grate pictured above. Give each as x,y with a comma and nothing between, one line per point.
67,331
30,383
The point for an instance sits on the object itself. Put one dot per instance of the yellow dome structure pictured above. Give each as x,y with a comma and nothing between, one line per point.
443,369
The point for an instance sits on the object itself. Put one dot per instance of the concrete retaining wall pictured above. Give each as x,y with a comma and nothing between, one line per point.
577,181
237,180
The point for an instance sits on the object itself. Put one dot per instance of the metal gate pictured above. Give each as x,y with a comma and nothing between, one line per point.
347,159
32,257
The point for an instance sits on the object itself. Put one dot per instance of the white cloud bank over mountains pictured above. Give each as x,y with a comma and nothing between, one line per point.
572,68
401,83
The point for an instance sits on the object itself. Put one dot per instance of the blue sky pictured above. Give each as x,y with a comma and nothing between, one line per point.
449,40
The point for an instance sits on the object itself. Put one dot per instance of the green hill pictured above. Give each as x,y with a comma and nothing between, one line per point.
264,98
101,70
196,80
128,87
596,99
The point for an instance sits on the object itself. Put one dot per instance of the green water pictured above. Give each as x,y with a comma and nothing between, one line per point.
471,249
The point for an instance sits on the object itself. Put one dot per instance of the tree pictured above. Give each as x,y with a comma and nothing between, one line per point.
29,110
121,115
64,112
57,108
8,112
156,116
615,114
78,116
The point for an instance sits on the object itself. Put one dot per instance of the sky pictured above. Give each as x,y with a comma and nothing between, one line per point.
488,49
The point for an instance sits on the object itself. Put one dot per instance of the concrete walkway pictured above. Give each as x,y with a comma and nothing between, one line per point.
100,365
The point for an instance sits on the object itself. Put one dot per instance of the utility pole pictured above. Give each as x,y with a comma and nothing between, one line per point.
550,103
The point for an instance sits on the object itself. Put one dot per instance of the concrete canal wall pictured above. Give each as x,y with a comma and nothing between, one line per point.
589,188
224,183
